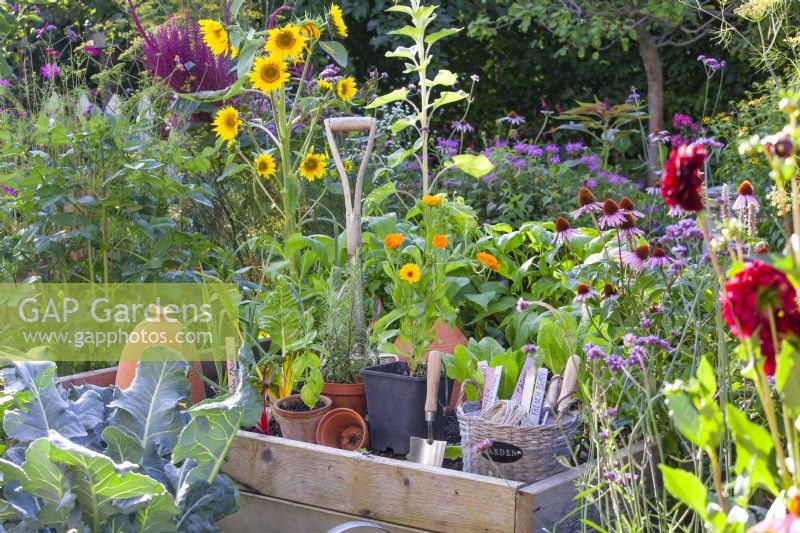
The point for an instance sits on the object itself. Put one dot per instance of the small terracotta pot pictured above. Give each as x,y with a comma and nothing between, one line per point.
299,425
342,428
347,395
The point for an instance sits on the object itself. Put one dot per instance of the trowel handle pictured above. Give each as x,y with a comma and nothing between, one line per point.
434,373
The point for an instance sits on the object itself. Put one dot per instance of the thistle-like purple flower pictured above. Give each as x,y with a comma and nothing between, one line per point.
175,53
91,50
592,352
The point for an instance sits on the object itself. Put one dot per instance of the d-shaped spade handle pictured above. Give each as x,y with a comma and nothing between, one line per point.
350,123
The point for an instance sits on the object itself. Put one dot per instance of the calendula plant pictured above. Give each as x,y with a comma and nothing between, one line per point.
420,263
422,99
279,102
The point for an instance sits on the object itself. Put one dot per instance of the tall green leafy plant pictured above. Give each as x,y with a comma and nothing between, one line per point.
417,59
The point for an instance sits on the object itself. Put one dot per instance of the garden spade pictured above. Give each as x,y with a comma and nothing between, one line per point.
428,451
352,204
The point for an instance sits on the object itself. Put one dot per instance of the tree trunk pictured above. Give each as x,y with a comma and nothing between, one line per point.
651,60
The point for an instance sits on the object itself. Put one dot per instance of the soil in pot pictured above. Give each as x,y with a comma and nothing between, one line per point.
296,420
347,396
396,406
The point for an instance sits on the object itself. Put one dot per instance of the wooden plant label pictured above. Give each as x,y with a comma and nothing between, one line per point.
527,388
519,389
502,452
538,395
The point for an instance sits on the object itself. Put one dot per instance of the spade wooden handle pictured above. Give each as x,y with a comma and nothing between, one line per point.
350,123
570,382
434,373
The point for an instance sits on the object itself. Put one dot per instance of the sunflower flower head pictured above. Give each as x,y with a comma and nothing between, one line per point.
269,74
313,166
265,165
346,88
285,42
440,241
325,85
226,123
337,19
432,201
348,165
393,240
214,35
310,30
410,273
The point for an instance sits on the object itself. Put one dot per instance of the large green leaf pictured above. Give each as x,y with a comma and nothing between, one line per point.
48,481
553,345
394,96
281,317
41,402
212,427
148,410
336,50
100,485
476,166
686,487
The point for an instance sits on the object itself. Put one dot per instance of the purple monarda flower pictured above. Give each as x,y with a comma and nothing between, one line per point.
49,71
4,83
551,148
573,147
535,151
448,146
682,231
175,53
519,163
555,159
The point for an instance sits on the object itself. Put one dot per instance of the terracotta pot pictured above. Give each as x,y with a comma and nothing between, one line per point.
447,338
348,396
299,425
342,428
132,352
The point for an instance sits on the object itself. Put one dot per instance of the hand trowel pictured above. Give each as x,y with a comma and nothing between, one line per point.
428,451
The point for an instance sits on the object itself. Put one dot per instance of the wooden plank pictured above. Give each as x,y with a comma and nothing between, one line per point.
260,513
377,488
102,377
552,500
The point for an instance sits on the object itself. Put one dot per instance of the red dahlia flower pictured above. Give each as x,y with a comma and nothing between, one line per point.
751,296
681,182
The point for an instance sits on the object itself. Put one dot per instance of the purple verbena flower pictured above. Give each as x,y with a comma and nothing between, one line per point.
636,356
633,97
652,340
592,352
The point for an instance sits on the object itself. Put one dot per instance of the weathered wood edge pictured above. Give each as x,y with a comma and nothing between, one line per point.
372,487
261,513
101,377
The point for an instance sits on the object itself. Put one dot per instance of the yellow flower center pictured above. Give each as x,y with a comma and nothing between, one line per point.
270,73
311,165
285,39
262,166
230,121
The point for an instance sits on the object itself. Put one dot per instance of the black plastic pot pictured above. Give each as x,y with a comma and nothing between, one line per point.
396,406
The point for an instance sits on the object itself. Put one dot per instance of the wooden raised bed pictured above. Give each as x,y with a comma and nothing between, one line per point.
290,486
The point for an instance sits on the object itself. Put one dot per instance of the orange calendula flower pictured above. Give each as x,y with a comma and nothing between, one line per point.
440,241
432,201
489,260
393,240
410,273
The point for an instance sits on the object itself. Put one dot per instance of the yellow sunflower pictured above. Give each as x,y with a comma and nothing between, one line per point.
338,21
432,201
226,123
313,166
410,273
214,35
269,74
346,88
285,42
234,52
348,165
324,84
265,165
311,30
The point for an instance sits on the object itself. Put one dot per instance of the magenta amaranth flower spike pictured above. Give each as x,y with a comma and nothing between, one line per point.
175,53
